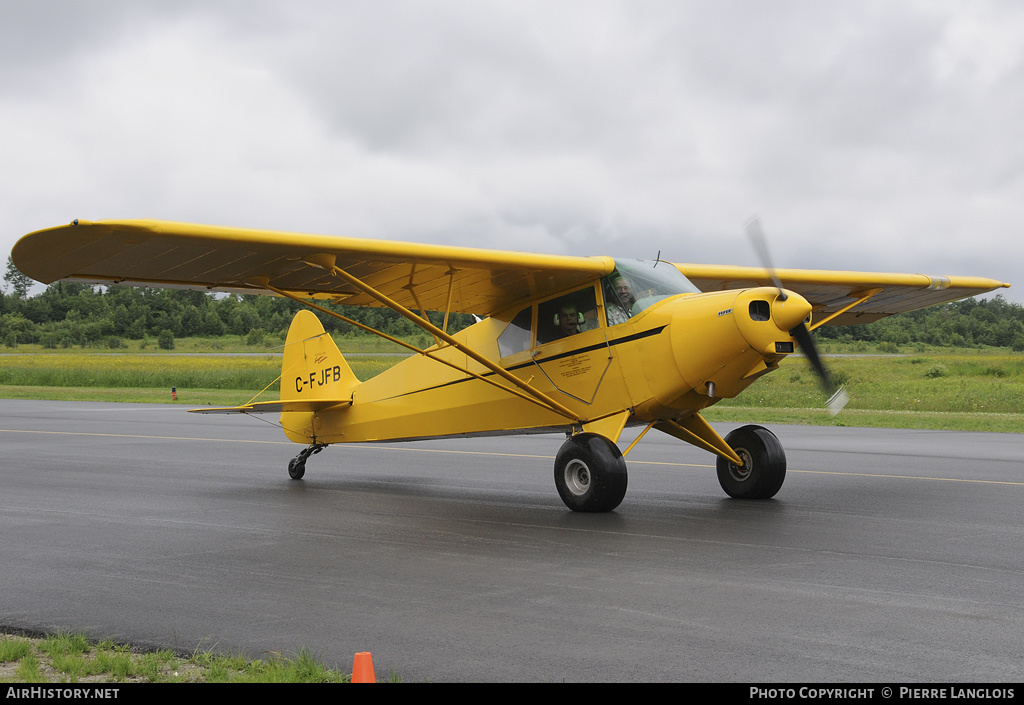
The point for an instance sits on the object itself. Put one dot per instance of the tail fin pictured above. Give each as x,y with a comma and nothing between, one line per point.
314,369
314,378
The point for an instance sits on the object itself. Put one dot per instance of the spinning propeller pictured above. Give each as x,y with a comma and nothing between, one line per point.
838,397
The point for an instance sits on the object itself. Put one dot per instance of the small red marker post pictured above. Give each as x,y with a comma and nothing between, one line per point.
174,394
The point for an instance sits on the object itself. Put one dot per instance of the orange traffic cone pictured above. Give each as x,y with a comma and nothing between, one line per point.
362,668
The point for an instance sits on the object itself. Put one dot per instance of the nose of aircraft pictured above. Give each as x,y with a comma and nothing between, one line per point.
790,311
766,316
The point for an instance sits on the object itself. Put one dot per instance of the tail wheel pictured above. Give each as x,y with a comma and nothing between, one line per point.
764,464
297,465
590,473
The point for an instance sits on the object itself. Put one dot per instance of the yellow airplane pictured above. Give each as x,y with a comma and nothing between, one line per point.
581,345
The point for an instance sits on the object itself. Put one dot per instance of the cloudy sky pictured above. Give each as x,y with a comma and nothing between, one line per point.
872,135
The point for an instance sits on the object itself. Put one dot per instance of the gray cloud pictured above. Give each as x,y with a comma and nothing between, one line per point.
868,135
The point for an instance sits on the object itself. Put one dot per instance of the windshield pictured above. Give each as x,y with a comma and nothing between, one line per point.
637,284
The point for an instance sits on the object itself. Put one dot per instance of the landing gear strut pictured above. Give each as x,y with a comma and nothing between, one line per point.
297,465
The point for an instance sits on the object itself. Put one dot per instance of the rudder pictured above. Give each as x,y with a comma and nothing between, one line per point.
313,368
314,377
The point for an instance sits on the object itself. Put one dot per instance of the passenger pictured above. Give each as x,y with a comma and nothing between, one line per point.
619,311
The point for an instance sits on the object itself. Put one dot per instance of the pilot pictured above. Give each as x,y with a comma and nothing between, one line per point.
619,311
568,320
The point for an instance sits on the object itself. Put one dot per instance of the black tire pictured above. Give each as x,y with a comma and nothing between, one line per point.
296,468
590,473
764,468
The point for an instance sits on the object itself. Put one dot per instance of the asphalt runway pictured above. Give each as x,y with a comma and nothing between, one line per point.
887,556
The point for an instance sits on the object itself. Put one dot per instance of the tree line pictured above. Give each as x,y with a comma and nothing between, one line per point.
970,323
72,314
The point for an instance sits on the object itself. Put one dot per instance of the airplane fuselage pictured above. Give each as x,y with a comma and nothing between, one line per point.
680,355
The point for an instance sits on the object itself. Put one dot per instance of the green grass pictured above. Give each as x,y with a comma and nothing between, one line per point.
938,382
73,658
974,390
135,371
187,398
936,388
14,649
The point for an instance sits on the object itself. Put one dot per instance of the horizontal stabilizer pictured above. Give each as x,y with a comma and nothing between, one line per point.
265,407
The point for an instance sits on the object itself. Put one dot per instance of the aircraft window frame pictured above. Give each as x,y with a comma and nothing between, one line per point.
517,337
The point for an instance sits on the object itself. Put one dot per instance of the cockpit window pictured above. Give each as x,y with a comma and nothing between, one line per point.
516,336
635,285
567,315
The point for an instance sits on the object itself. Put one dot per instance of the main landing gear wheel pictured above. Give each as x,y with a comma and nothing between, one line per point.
297,465
590,473
764,464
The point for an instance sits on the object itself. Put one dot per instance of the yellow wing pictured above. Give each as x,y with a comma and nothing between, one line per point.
830,292
239,260
432,277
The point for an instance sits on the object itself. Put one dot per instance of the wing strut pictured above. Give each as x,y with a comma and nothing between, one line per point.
327,262
532,395
863,296
448,302
411,288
